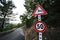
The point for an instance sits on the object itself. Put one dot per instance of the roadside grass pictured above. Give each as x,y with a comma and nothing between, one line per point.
11,26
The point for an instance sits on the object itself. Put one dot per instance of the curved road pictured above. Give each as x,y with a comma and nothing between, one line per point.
18,34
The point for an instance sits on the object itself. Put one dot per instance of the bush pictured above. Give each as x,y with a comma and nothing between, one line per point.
9,27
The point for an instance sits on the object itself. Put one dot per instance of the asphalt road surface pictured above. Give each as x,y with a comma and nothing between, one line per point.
18,34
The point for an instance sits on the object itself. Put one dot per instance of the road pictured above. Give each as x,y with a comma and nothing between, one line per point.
17,34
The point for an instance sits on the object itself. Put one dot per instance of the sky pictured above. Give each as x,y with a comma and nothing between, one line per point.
20,9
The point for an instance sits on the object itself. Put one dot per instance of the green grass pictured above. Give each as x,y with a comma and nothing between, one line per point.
11,26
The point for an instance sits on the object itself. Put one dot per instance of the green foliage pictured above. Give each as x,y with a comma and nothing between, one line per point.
27,20
52,18
9,27
5,10
12,26
51,6
19,25
7,7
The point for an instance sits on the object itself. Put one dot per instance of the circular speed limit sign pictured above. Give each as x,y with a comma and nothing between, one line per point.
40,26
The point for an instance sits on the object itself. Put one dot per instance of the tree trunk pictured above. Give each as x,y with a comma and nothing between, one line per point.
2,26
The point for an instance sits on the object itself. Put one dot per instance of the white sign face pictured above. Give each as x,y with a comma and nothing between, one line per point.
39,11
39,26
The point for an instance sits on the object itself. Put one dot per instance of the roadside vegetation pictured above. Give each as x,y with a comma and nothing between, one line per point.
11,26
52,19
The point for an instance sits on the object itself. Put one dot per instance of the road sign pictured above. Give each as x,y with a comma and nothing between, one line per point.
40,26
39,11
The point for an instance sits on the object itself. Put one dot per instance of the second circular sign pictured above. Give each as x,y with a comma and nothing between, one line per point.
40,26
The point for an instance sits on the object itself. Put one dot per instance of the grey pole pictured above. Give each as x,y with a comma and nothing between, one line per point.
40,33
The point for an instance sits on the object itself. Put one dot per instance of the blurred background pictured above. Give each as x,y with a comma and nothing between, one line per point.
18,13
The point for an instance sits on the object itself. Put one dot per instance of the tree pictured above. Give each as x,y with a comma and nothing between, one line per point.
52,19
51,6
5,10
27,20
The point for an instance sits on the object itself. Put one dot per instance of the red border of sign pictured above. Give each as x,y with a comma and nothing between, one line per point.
34,14
43,24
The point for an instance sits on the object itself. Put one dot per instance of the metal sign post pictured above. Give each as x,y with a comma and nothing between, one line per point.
40,33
